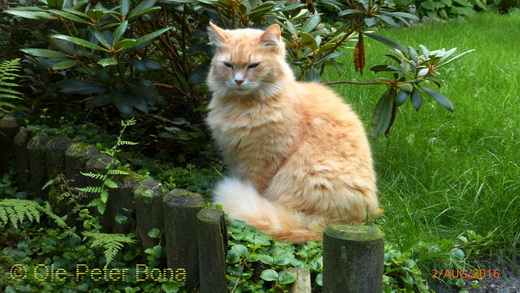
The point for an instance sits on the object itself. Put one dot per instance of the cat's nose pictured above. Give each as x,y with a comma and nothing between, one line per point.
239,81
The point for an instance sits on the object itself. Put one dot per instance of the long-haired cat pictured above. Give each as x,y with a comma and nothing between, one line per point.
298,155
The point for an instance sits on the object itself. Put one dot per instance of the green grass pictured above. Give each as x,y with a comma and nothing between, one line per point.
441,173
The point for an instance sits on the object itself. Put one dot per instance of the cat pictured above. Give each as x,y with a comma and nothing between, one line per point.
299,156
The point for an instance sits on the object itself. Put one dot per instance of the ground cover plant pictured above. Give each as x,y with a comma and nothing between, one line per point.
448,181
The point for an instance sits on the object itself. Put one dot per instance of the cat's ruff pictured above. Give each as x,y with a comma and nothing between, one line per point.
298,155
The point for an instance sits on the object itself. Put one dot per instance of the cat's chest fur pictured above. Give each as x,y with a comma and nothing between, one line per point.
255,136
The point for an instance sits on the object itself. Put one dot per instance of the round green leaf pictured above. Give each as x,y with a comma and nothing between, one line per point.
269,275
457,253
154,233
267,259
286,277
240,250
319,279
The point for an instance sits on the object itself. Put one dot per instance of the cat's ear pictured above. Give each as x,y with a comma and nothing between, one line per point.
271,36
217,36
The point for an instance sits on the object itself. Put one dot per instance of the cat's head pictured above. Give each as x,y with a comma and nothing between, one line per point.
248,62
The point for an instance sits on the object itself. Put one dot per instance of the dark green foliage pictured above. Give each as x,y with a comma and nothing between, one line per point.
507,5
445,9
97,48
105,52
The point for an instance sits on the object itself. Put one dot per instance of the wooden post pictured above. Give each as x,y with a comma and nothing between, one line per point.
148,197
180,222
76,158
98,164
212,234
353,259
8,130
121,202
37,163
303,281
22,158
55,155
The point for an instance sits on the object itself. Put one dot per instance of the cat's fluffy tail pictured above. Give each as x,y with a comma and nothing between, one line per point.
241,201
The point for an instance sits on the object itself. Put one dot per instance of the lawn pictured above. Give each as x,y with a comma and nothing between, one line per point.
441,173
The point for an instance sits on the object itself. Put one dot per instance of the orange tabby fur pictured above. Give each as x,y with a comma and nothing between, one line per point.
298,155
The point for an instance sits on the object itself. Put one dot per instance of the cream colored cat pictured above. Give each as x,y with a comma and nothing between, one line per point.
298,155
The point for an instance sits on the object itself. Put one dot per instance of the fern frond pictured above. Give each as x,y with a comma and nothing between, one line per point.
60,221
8,69
9,96
117,172
3,216
99,204
4,84
126,142
7,73
15,211
103,196
112,243
91,189
110,184
5,104
97,176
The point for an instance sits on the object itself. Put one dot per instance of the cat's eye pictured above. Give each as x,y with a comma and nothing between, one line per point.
228,65
254,65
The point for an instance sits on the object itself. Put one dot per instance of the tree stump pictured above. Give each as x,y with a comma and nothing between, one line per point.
76,158
8,130
36,149
121,202
22,158
149,211
97,164
55,155
180,218
353,259
212,240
